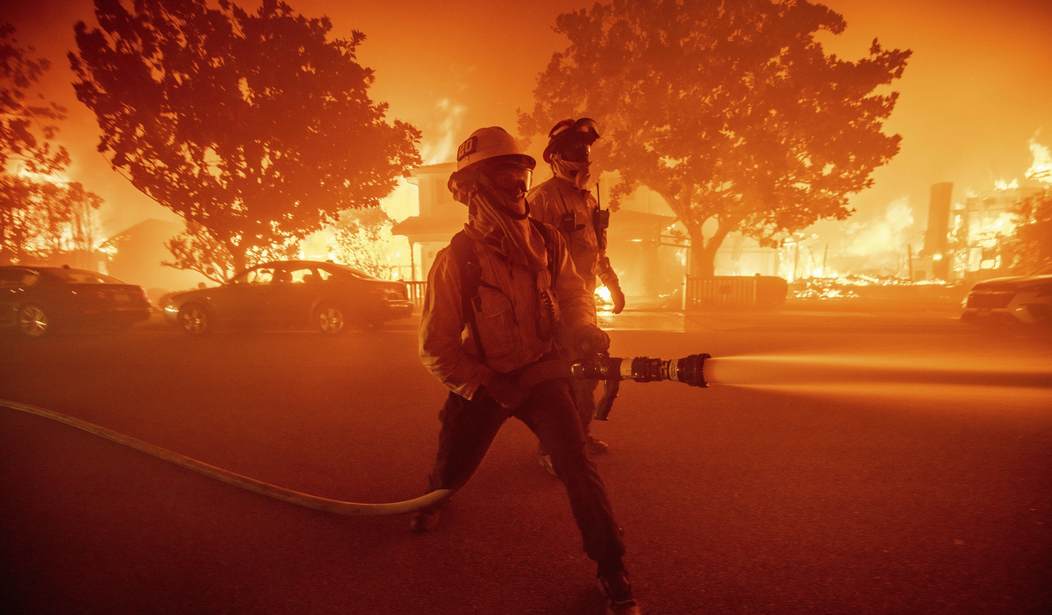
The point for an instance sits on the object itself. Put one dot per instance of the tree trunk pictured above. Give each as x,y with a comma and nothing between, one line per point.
237,257
703,253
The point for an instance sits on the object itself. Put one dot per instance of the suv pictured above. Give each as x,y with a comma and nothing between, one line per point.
1018,299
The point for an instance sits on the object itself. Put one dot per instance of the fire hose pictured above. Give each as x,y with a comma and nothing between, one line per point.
689,370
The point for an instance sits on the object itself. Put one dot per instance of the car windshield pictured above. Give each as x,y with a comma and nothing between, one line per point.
79,276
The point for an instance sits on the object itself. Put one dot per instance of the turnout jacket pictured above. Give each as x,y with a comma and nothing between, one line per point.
549,202
507,312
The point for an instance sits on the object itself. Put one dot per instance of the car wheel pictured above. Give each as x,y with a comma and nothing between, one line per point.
194,319
33,321
330,319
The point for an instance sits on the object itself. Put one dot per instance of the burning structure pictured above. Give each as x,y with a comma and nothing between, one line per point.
649,258
970,239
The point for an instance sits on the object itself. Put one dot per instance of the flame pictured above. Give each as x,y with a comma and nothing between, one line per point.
603,298
1041,168
320,246
450,127
1003,185
58,179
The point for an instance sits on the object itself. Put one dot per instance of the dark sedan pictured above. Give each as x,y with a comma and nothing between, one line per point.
37,300
290,294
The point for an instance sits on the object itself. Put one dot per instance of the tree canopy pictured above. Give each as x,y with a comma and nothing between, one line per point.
255,127
732,111
1030,246
41,213
363,241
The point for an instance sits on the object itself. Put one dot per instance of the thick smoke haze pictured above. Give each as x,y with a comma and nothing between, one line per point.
974,93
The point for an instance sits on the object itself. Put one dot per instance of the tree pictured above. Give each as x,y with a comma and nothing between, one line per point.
254,127
1031,244
41,213
45,218
363,241
732,111
27,119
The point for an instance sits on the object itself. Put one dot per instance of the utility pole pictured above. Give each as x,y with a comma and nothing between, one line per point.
909,259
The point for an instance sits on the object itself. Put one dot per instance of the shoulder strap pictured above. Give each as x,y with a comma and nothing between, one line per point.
551,246
463,248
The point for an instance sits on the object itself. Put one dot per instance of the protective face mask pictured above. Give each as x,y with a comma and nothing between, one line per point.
578,172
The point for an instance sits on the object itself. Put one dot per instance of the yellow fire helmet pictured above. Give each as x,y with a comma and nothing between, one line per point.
490,142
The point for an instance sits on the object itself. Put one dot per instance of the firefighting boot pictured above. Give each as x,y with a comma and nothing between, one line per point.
595,446
618,592
544,459
425,520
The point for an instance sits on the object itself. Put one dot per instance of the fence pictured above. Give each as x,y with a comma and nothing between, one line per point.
735,291
415,289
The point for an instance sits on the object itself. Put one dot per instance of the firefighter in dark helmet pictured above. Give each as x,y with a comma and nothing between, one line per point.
503,296
565,201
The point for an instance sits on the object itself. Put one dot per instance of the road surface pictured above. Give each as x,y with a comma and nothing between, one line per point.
856,498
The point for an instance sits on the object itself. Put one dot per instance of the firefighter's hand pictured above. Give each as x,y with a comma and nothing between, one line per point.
505,390
617,296
590,339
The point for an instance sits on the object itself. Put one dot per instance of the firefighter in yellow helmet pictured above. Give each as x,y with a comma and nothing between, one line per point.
502,297
565,201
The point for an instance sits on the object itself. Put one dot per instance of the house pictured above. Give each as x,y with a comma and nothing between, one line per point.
648,259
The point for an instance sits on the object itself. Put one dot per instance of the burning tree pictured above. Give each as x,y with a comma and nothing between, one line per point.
41,213
363,241
732,111
1031,245
254,127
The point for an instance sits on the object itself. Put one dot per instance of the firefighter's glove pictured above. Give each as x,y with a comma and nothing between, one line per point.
617,296
505,390
590,339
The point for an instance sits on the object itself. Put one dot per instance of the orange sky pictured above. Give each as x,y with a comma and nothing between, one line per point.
977,88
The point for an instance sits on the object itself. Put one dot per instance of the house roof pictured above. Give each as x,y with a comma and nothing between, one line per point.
422,228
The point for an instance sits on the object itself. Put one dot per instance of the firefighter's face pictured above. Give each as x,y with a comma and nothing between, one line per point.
511,178
577,152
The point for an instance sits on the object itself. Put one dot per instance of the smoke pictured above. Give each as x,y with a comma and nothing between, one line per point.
883,241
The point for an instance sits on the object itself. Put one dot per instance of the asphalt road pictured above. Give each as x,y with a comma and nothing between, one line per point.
863,497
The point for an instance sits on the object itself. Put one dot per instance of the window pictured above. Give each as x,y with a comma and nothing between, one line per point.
79,276
260,275
302,275
11,278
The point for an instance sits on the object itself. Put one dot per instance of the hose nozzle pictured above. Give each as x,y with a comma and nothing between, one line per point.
689,370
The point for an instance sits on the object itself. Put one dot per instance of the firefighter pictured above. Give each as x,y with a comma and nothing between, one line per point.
566,202
497,299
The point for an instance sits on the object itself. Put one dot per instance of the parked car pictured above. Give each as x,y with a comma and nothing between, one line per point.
1020,299
35,301
290,294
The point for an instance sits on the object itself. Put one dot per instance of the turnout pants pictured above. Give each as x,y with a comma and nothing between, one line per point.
468,429
584,397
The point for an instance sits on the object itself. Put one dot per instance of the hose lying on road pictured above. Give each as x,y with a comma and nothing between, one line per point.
688,370
306,500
